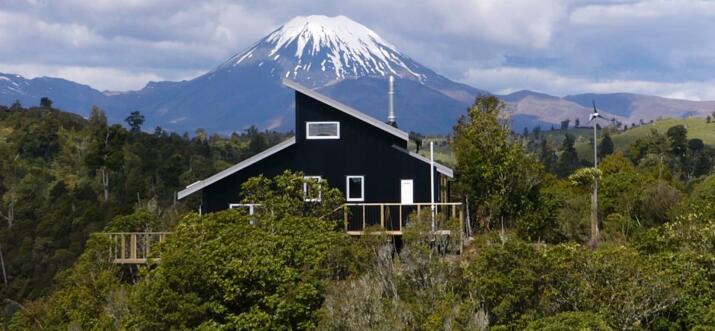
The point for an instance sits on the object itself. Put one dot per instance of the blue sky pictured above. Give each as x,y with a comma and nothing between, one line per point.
558,47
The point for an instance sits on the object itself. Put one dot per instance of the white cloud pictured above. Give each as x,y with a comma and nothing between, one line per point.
506,80
101,78
630,13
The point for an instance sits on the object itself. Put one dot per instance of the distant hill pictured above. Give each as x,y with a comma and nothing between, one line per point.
697,128
544,109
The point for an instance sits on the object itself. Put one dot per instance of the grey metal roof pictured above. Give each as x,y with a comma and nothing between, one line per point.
440,168
198,186
346,109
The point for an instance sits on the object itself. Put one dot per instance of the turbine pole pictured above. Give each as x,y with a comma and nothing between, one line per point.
595,233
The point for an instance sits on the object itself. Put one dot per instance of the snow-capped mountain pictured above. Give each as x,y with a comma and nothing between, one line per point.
319,50
335,55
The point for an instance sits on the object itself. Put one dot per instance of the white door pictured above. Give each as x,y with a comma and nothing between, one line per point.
406,189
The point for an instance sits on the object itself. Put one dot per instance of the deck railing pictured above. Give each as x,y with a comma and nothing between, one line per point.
133,247
359,219
391,218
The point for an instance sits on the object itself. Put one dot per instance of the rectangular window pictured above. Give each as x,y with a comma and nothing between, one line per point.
312,189
322,130
355,188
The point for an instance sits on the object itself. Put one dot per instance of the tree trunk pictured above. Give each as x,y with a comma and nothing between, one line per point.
2,263
595,234
10,217
105,182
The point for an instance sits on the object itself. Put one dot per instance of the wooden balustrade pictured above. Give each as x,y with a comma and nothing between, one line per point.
359,218
390,218
133,247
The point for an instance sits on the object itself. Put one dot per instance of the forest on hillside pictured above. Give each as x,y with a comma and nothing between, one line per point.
63,177
534,261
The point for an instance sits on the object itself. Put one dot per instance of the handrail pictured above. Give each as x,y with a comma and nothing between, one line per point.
405,204
132,247
125,233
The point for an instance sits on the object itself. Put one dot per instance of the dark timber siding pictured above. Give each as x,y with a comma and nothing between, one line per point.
362,150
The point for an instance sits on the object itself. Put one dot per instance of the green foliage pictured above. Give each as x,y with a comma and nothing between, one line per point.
495,172
135,121
415,289
585,177
63,177
90,296
518,283
568,160
606,147
570,321
222,271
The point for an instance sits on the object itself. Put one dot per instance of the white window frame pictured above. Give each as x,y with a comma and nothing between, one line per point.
320,189
307,130
362,188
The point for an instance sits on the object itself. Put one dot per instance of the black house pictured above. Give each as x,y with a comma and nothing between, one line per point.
365,158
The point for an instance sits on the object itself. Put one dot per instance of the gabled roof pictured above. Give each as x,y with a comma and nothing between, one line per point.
198,186
440,168
347,109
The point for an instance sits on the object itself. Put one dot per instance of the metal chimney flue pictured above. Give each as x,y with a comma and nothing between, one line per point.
391,118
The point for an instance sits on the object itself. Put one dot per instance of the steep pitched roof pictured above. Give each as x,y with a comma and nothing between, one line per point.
440,167
198,186
347,109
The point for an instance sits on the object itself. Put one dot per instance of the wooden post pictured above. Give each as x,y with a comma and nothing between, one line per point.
123,248
461,230
146,245
133,246
418,211
364,225
345,216
382,216
400,216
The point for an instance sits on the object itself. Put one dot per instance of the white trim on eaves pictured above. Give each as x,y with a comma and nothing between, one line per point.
198,186
347,109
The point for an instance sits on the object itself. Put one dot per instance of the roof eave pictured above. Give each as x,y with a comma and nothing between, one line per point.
200,185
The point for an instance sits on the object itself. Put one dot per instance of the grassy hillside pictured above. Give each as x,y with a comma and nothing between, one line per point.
697,128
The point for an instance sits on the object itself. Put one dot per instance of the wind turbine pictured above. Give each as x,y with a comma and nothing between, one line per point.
595,233
592,118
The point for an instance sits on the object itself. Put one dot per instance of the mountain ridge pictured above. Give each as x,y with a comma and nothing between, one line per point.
342,59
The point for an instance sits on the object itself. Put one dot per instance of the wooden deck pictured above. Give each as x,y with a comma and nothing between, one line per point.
359,219
133,247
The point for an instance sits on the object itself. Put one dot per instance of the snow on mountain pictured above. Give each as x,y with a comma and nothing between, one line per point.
320,50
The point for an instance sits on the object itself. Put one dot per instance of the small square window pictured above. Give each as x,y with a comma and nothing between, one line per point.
322,130
312,191
355,188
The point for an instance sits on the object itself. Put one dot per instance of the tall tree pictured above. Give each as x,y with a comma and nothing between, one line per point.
565,124
495,172
605,148
135,121
547,156
568,160
46,102
105,153
678,139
